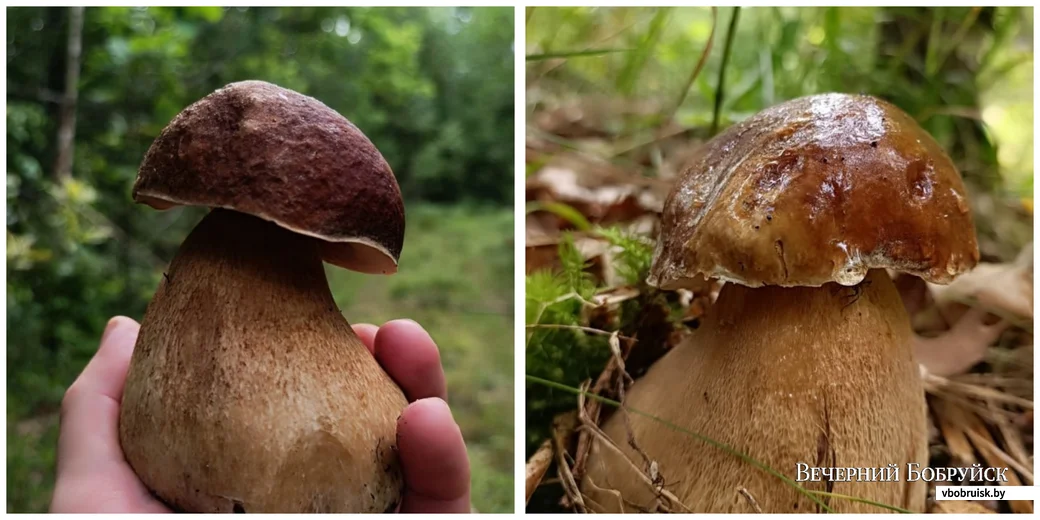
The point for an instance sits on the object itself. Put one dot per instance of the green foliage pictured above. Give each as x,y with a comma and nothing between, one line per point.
432,88
556,304
481,250
555,352
31,448
634,253
942,65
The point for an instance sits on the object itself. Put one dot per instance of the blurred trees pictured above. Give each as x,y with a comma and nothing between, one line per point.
941,65
644,76
432,88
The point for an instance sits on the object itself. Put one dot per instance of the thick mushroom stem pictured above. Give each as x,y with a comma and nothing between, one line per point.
822,376
248,391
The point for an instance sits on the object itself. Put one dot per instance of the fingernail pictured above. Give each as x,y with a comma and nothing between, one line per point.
114,323
402,320
366,326
440,405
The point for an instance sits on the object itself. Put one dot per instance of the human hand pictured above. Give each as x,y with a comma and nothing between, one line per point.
93,475
433,454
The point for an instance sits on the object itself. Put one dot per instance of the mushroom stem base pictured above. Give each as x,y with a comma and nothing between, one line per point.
247,389
818,376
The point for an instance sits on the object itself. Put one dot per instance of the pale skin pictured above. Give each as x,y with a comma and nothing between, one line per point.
93,476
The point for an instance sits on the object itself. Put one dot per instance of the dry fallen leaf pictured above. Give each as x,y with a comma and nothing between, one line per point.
958,349
599,190
1001,288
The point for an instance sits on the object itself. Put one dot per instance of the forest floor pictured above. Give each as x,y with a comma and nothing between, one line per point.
586,187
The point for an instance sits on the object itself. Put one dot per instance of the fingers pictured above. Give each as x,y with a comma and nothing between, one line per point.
409,355
367,334
434,459
433,453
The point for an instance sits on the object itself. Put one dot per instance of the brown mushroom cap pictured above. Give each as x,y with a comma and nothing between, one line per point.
818,189
276,154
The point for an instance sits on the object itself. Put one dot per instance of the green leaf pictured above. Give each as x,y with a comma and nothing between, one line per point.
563,211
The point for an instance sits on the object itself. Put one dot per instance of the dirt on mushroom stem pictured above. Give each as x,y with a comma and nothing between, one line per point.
822,376
248,390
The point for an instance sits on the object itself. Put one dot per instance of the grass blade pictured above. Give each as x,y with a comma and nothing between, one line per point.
700,63
564,211
634,64
722,70
573,54
707,440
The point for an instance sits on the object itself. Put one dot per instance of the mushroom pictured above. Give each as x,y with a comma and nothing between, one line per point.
806,356
248,391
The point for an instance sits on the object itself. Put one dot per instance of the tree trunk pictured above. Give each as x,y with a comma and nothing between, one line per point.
67,127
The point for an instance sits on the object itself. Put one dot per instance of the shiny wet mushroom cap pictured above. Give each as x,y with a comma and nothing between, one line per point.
279,155
818,189
806,357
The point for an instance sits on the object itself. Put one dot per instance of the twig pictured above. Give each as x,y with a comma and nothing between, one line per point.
541,310
995,415
567,479
980,392
563,471
537,465
1013,441
615,350
590,330
607,441
614,492
751,500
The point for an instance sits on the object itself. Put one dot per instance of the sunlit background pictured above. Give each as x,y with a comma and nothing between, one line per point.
432,88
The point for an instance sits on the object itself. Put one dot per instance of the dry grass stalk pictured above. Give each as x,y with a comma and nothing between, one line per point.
536,468
563,429
951,424
612,375
936,384
987,448
667,502
751,500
